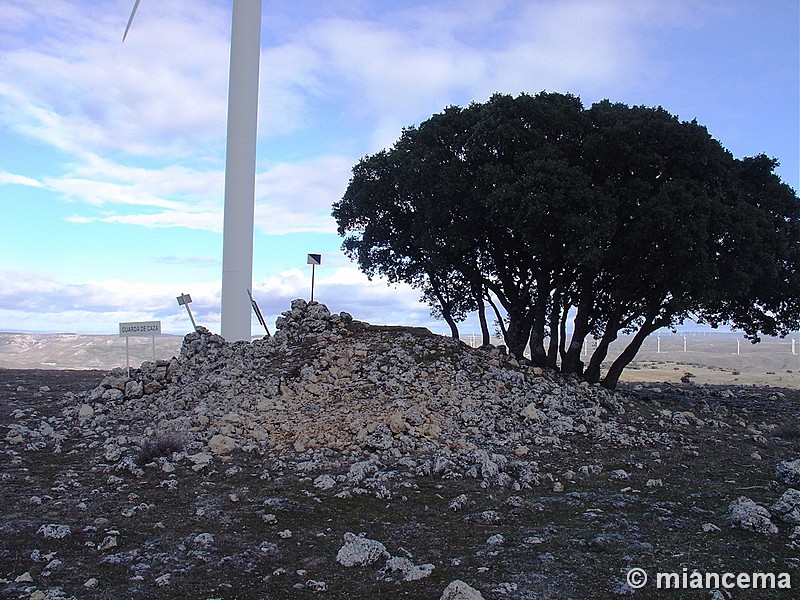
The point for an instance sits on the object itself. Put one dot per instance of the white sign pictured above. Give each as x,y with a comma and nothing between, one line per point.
146,328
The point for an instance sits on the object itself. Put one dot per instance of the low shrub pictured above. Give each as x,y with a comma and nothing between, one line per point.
162,445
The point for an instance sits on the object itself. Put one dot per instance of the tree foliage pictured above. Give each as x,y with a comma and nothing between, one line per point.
621,219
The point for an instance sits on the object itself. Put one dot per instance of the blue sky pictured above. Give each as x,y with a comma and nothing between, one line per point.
112,155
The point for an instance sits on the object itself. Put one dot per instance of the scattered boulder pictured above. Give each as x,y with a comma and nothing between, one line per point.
746,514
359,551
53,531
787,507
407,570
458,590
788,472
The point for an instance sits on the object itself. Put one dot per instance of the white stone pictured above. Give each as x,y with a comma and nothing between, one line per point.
531,413
746,514
788,506
360,551
324,482
496,540
52,531
201,459
458,503
408,570
788,472
108,542
221,444
458,590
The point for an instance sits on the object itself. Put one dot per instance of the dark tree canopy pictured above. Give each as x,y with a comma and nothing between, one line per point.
621,219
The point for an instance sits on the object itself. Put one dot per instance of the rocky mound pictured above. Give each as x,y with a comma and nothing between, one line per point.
336,388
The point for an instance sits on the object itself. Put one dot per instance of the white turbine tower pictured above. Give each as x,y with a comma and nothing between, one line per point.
240,167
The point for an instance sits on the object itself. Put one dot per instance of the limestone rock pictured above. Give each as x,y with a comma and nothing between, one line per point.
324,385
746,514
359,551
85,411
788,506
53,531
221,444
458,503
324,482
407,570
458,590
788,472
397,424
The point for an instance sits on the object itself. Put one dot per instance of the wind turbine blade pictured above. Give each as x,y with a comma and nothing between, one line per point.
130,19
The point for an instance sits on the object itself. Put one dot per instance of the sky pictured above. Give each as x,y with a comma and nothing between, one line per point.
112,154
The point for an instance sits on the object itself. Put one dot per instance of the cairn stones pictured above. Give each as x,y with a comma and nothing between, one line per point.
327,385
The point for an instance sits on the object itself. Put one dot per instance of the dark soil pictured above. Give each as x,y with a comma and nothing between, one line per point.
576,543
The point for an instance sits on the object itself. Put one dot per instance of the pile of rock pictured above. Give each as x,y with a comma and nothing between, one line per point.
330,386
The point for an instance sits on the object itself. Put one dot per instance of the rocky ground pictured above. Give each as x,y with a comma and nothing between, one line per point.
343,460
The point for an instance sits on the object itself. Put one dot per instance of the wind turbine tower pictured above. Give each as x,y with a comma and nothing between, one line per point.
240,167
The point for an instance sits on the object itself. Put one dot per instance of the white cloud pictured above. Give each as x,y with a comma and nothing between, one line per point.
190,220
97,306
291,197
295,197
162,94
344,289
13,179
414,61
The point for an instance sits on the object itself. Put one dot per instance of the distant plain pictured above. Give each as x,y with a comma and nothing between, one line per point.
713,358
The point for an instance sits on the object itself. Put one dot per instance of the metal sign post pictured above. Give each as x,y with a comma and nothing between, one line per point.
184,300
313,260
257,310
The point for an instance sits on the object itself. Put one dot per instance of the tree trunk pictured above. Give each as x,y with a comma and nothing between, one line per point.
571,361
453,326
486,337
539,318
562,334
592,373
519,331
446,309
615,371
552,347
500,323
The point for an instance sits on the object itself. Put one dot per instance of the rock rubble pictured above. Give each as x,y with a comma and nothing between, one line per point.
325,385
